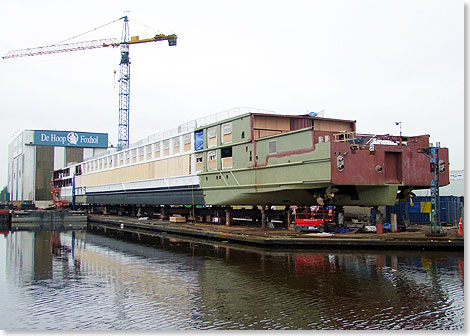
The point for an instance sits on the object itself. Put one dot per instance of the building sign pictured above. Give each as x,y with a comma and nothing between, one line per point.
70,139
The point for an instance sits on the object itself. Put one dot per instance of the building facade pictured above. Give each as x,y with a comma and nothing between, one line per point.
34,154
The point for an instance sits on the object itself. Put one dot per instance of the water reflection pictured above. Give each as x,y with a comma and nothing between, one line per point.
80,280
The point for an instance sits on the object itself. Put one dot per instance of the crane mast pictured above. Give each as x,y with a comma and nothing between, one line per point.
124,73
124,89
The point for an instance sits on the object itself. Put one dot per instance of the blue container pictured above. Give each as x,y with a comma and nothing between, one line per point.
451,209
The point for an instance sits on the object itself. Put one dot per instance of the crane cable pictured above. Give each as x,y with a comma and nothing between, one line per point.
87,32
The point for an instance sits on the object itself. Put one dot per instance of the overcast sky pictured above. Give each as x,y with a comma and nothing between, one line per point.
376,62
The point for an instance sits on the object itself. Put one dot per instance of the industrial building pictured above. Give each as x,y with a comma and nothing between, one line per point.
34,154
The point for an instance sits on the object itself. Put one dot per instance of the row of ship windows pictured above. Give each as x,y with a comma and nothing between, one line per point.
226,156
153,151
140,154
131,155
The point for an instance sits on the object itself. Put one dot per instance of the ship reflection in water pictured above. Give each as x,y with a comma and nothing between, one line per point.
83,281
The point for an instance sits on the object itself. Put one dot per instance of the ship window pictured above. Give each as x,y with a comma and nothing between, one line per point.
212,137
227,132
226,152
176,142
157,149
199,162
166,147
227,128
212,160
211,132
272,147
198,140
187,139
243,135
226,155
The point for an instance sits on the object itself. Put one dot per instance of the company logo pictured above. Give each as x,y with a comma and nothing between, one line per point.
72,138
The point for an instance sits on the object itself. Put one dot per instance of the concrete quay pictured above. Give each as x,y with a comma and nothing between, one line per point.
275,238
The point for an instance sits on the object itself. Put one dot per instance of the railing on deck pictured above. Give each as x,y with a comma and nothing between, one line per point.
361,140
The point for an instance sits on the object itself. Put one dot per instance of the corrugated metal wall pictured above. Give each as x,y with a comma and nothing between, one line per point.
44,167
452,208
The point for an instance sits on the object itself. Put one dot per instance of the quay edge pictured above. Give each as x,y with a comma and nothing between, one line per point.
276,238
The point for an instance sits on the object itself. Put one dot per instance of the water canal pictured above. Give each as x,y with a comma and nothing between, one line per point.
79,280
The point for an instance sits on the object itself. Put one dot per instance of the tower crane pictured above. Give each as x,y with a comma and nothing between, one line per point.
124,74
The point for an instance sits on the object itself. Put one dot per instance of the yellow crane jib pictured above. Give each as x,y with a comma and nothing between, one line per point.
161,37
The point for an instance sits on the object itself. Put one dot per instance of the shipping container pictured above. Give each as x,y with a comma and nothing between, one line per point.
414,211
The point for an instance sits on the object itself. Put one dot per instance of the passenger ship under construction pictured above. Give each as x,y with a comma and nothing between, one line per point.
252,157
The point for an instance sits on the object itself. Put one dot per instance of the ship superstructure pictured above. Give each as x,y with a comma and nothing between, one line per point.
252,157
